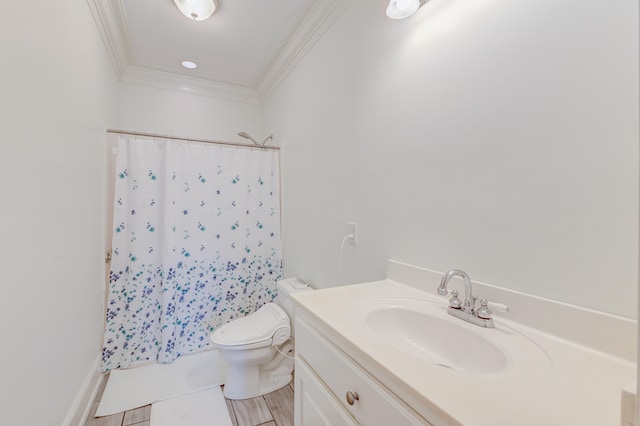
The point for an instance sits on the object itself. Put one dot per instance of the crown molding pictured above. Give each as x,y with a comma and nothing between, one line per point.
309,26
143,76
108,18
311,23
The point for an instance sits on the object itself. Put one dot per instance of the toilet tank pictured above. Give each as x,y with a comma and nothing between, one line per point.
286,287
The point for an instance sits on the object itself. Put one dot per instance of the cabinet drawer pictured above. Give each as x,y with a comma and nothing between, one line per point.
375,406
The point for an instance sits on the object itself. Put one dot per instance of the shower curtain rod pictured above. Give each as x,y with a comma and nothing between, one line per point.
153,135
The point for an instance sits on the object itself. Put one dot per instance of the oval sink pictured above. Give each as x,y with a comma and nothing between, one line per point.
436,340
423,329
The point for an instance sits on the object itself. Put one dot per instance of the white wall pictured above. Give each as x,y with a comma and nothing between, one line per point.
150,110
58,93
494,136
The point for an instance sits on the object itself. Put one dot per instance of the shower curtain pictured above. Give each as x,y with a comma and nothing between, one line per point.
196,243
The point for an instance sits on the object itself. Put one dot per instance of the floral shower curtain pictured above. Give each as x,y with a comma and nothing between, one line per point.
196,243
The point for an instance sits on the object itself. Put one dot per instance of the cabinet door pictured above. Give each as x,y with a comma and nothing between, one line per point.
341,375
314,403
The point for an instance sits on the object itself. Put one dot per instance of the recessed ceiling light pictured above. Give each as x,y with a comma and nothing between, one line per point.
189,64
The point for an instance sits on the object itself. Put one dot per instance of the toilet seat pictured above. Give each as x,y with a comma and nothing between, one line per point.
256,330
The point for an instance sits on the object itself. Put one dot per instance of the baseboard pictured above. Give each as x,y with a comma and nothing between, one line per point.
81,406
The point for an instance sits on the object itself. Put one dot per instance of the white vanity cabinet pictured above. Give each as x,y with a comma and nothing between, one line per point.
331,389
548,379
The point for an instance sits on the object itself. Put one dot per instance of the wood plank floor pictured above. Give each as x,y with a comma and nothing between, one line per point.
272,409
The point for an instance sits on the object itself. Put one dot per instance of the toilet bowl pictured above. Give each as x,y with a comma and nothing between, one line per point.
258,348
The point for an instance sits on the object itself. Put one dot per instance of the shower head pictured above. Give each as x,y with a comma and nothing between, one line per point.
247,136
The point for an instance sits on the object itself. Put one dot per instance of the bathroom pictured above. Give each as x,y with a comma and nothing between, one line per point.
494,136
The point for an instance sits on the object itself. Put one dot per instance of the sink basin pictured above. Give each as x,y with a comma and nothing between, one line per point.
423,329
436,340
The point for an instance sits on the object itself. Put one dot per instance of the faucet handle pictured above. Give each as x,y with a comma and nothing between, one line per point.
483,311
454,302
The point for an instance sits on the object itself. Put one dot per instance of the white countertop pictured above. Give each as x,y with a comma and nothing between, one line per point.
571,385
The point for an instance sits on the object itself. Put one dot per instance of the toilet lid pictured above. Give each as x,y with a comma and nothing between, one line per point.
254,328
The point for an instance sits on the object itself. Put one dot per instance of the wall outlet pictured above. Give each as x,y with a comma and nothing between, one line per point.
352,229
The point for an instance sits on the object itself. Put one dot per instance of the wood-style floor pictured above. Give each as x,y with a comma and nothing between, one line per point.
272,409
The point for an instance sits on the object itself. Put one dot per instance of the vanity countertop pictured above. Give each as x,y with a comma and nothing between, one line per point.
576,386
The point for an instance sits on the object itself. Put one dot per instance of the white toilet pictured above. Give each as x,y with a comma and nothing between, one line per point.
250,346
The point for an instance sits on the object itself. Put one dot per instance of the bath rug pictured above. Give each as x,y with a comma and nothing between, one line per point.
140,386
204,408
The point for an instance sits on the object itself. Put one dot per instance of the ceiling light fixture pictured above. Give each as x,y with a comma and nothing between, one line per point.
197,10
399,9
189,64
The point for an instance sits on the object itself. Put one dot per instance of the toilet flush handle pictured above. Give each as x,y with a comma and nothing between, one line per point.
281,335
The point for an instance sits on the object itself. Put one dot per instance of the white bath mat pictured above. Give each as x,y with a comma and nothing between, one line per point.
204,408
136,387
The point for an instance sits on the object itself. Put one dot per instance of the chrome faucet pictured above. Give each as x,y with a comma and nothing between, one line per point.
467,306
466,310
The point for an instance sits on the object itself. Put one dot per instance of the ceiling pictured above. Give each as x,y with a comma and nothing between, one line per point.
243,51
